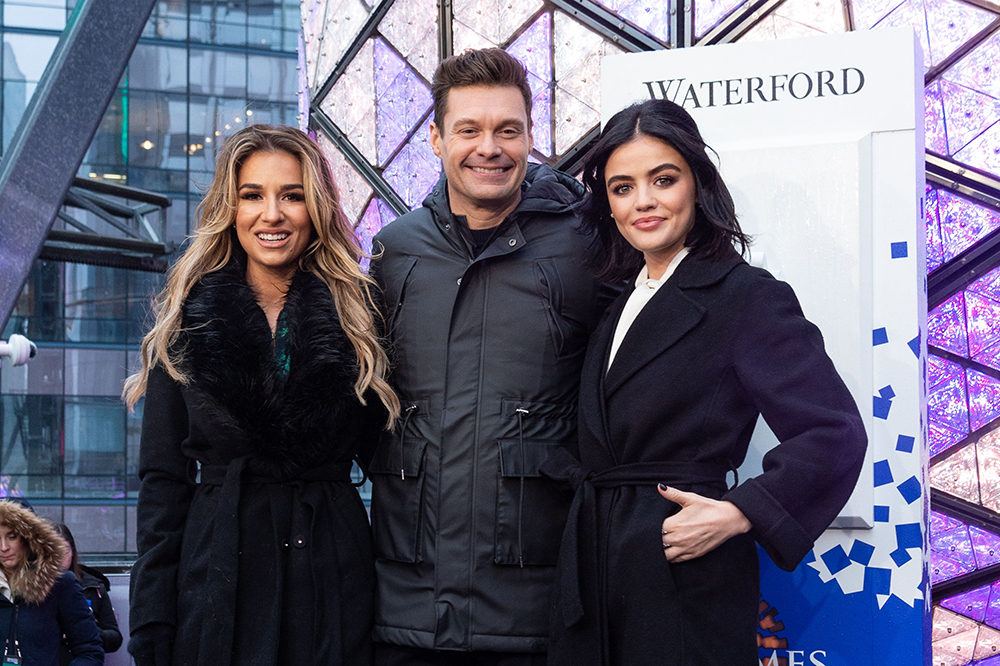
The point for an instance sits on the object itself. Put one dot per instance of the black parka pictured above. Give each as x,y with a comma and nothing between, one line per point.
487,355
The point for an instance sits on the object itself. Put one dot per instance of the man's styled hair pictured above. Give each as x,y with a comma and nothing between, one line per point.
478,67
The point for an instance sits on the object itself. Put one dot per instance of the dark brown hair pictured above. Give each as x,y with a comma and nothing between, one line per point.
74,564
716,229
478,67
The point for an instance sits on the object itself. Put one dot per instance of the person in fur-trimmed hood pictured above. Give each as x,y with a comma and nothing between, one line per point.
39,602
263,368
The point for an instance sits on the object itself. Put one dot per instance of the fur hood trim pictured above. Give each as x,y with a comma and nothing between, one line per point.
33,580
285,422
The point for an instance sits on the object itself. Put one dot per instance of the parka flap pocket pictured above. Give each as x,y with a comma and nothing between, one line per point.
535,453
400,457
537,410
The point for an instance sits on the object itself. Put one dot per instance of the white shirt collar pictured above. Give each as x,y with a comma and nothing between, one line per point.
643,278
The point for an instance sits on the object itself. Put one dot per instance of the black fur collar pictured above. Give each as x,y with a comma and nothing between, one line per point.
228,355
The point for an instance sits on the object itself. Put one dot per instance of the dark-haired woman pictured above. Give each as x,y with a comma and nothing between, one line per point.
659,560
96,587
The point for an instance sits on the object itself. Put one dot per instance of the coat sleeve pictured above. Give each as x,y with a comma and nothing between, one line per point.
107,623
76,621
780,361
165,494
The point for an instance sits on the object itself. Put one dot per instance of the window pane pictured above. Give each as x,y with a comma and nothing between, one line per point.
96,529
16,95
51,18
25,56
161,68
218,73
32,429
94,372
157,131
109,147
42,376
95,436
272,79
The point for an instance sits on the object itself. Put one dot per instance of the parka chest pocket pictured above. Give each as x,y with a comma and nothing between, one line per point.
398,480
566,328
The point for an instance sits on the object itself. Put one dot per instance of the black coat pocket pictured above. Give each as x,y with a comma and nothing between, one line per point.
397,497
528,531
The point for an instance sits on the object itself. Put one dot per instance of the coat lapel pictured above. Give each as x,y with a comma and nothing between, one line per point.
667,318
593,407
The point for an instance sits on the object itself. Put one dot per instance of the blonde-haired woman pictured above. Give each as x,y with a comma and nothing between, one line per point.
264,368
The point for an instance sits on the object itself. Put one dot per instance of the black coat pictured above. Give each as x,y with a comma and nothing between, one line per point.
95,590
475,339
268,559
717,345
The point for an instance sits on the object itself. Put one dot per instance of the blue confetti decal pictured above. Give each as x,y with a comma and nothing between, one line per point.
883,473
914,346
910,490
836,559
878,580
904,443
881,407
879,337
881,514
862,552
899,250
887,392
900,557
908,536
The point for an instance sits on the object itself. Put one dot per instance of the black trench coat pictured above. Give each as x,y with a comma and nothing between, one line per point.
267,560
720,343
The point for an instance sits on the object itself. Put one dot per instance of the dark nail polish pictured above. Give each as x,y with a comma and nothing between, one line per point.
662,487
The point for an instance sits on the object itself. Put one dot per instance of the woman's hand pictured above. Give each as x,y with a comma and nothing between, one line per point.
701,525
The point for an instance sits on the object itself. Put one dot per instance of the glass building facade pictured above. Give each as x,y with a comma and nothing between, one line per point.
200,71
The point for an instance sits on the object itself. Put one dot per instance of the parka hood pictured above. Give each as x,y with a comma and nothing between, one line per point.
33,580
544,190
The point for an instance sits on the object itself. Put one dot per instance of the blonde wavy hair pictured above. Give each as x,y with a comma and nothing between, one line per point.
332,255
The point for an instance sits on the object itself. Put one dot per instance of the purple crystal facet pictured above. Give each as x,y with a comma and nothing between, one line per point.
984,398
963,223
934,127
946,326
971,604
967,114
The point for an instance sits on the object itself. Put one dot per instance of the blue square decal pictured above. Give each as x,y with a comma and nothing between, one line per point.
905,443
908,535
887,392
881,514
836,559
899,250
862,552
883,473
879,580
881,407
879,336
914,346
900,557
910,490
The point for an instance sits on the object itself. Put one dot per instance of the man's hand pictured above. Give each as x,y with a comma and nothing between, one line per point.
701,525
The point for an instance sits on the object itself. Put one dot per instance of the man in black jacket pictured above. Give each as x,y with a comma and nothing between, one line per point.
488,306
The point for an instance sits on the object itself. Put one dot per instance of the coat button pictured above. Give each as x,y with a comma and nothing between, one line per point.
285,543
447,227
458,281
513,242
299,542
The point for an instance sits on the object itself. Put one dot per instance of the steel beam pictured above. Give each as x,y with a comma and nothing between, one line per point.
57,128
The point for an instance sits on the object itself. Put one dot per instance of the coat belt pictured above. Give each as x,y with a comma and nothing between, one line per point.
225,548
581,524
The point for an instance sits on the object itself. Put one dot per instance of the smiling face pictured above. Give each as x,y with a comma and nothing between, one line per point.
272,221
483,142
12,549
652,194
